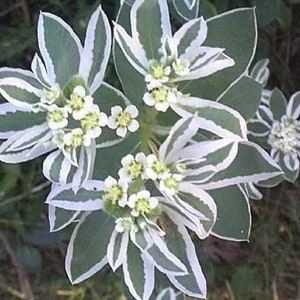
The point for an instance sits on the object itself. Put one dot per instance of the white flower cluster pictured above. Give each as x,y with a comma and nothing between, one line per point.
284,135
161,91
129,190
77,121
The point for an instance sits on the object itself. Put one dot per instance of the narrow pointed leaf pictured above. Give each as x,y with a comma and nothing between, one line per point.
96,50
86,254
60,48
60,218
150,24
187,9
251,164
138,274
40,72
14,119
194,283
87,198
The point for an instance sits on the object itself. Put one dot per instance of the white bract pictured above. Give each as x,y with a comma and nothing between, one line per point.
170,58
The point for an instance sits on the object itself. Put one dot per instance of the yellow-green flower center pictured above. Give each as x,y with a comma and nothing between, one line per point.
157,70
171,183
142,206
55,116
113,194
135,169
51,95
77,140
75,102
159,167
160,95
90,121
123,119
127,223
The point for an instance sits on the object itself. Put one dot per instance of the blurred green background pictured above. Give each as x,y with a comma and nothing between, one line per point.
32,260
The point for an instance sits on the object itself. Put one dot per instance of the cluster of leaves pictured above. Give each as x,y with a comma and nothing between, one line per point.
78,192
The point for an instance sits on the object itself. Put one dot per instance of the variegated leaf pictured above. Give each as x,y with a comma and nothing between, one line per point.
193,283
150,25
187,9
86,254
138,273
96,50
87,198
40,72
117,249
251,164
213,117
60,218
14,119
60,48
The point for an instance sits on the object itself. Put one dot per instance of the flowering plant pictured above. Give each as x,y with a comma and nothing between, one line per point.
136,171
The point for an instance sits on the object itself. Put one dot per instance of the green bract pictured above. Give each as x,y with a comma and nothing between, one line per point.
137,179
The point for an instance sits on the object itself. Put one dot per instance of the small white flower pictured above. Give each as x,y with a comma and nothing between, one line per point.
92,122
160,98
49,96
76,138
115,191
79,102
57,117
123,120
158,74
142,203
170,183
181,67
124,224
133,167
58,138
156,169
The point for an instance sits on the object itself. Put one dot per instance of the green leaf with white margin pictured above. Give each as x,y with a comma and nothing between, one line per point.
86,253
164,259
214,117
106,96
96,50
138,273
60,48
26,154
57,168
150,25
234,217
278,104
238,38
19,92
60,218
178,239
21,74
288,174
180,134
133,85
39,70
293,107
244,96
199,203
260,72
170,294
186,9
88,197
117,248
251,164
14,119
